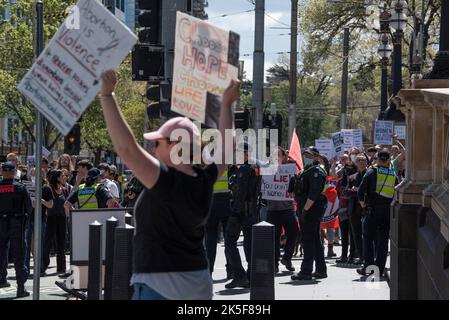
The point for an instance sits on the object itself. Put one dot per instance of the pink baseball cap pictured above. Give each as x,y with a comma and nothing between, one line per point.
181,123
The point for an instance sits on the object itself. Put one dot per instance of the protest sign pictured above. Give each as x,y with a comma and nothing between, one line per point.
383,131
275,186
352,138
400,131
45,152
325,147
66,76
206,60
338,141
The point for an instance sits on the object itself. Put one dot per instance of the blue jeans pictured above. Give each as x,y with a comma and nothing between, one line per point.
144,292
28,237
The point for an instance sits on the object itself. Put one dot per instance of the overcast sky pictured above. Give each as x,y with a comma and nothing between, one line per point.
276,40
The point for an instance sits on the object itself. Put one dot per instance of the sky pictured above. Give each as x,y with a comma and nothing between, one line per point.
276,40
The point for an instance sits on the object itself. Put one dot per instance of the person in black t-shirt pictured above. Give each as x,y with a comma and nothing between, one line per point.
169,256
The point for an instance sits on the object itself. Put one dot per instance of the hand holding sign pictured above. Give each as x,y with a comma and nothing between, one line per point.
232,93
108,82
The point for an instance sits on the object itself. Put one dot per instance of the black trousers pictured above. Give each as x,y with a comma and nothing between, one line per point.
347,239
376,231
212,225
311,240
55,233
286,219
356,227
12,234
236,224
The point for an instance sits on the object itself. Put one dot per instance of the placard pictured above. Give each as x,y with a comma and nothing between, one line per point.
206,59
383,131
352,138
325,147
338,141
275,186
400,131
65,78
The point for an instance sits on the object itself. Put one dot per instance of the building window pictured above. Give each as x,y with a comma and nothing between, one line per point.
120,4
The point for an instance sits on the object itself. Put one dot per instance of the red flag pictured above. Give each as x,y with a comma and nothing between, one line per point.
295,151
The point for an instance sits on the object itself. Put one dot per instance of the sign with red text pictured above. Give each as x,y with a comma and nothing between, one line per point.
65,78
275,186
206,60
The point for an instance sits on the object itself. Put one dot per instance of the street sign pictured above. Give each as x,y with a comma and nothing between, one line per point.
65,77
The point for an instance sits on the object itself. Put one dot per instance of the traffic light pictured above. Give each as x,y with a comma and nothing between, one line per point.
148,53
268,123
72,141
242,119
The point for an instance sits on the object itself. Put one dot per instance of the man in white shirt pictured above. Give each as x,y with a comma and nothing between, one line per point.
12,157
105,171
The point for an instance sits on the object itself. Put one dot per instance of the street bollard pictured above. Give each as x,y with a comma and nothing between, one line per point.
122,266
262,262
94,280
111,224
128,218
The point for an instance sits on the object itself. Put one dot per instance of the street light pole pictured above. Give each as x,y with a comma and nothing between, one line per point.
258,65
293,69
440,68
344,81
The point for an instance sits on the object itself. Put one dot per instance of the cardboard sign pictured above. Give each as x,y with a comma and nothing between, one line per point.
325,147
339,143
275,186
352,138
206,60
400,131
65,78
383,131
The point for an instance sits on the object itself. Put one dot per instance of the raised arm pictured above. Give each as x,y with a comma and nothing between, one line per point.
231,94
145,166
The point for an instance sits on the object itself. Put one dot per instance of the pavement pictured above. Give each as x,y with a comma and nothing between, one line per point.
343,283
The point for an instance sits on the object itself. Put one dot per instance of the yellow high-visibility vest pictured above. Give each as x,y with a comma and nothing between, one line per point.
386,178
221,185
87,198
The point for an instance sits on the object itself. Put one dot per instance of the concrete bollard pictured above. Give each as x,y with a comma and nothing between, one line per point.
128,218
94,280
122,267
262,262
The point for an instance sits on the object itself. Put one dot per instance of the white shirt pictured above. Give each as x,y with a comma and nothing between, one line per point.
112,187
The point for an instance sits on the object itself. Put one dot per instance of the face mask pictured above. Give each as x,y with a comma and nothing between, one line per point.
353,157
307,161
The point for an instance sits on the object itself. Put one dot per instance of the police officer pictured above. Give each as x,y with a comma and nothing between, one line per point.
15,206
245,189
92,194
308,189
375,194
220,212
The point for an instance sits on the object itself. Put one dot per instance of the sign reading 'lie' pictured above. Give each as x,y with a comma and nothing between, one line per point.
65,78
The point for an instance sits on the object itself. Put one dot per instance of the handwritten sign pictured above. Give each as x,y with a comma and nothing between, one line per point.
339,143
206,60
325,147
383,131
65,78
275,186
352,138
400,131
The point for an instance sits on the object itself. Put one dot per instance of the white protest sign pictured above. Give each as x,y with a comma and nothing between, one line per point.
338,141
400,131
206,60
383,131
275,186
352,138
45,152
65,78
325,147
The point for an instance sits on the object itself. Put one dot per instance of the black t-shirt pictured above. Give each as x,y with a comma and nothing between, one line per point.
58,204
170,221
102,194
47,195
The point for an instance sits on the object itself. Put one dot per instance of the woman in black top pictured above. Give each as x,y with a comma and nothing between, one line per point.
169,256
56,222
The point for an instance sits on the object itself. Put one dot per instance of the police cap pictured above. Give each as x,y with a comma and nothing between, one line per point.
8,165
383,155
93,173
312,150
372,149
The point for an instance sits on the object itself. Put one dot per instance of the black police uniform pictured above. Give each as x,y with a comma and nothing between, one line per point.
375,223
15,206
245,189
310,185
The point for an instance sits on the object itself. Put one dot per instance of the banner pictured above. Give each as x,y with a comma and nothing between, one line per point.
325,147
383,131
206,60
275,186
338,141
65,78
